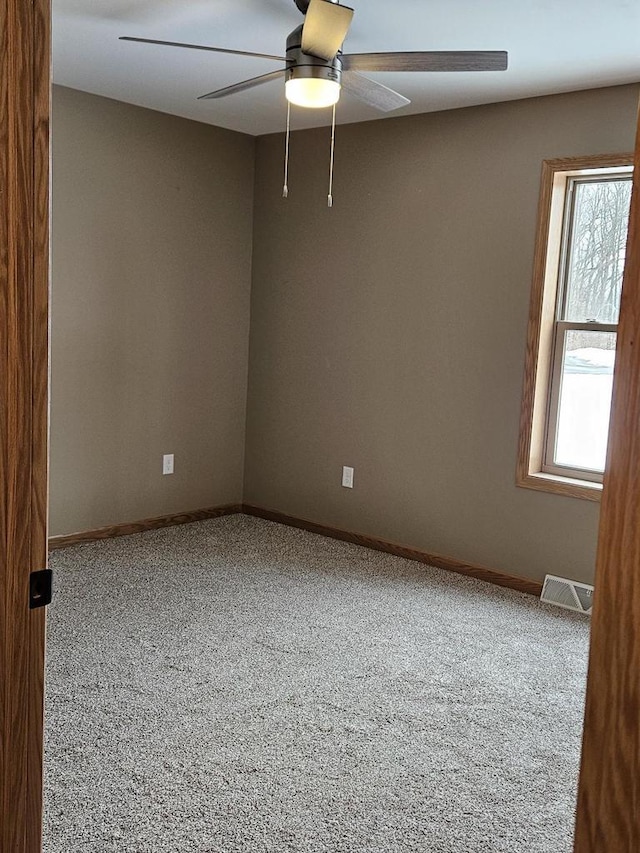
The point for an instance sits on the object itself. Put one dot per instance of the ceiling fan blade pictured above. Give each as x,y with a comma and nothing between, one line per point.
203,47
431,60
246,84
373,93
325,26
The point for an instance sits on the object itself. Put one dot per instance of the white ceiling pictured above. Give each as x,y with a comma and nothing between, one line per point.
553,45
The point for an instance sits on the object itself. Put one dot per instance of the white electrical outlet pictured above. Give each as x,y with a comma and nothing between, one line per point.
167,463
347,477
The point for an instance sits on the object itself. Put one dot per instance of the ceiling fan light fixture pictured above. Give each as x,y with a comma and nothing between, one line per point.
312,92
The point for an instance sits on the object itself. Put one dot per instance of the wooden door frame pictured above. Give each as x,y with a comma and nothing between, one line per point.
608,811
24,321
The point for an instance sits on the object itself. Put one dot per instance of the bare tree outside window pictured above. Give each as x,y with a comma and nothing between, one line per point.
597,250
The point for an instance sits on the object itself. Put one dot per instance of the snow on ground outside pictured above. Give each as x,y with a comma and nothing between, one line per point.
583,426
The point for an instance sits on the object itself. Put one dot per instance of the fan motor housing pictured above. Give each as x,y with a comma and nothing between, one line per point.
300,64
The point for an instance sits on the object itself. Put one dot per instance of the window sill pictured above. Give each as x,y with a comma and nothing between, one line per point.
557,485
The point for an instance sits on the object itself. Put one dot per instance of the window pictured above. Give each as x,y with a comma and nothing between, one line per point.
575,301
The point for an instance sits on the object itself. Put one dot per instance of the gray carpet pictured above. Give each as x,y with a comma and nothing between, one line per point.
235,685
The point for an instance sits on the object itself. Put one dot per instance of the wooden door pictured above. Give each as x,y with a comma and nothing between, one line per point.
608,816
24,286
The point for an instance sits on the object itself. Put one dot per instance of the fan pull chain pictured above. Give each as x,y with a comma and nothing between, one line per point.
333,145
285,188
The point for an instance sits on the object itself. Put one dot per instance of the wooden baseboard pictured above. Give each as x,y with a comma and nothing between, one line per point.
448,563
56,542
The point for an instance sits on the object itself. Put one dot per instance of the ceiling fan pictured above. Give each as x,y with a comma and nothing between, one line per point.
316,69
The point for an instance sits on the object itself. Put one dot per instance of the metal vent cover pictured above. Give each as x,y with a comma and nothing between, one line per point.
566,593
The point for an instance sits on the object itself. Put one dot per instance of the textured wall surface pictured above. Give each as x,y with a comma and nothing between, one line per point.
152,226
388,333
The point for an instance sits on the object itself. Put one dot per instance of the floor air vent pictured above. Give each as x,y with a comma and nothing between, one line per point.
569,594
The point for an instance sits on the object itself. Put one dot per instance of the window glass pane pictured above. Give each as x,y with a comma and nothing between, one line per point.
585,399
597,250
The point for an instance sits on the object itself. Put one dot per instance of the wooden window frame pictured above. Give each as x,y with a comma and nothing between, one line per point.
542,329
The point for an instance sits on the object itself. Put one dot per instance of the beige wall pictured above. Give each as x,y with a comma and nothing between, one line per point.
152,224
388,333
